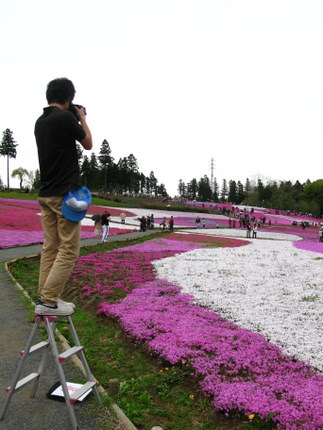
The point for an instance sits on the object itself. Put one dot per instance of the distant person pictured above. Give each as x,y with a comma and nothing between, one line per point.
123,217
254,231
197,222
97,228
163,223
143,224
171,223
105,221
56,133
248,230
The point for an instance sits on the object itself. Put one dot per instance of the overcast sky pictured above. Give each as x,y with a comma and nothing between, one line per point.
175,82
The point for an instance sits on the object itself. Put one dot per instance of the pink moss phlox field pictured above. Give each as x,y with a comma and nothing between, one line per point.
20,223
239,369
126,268
310,237
112,211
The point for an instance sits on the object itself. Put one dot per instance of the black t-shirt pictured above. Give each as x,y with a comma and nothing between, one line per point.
105,219
56,132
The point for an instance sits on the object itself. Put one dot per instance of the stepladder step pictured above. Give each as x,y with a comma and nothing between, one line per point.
24,381
82,390
37,347
69,352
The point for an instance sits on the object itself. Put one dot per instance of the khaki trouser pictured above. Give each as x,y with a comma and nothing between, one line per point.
60,249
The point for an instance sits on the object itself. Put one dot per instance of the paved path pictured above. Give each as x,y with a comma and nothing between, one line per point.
38,413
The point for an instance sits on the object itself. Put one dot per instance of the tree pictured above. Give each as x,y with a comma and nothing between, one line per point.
181,188
240,193
162,190
21,173
134,176
224,191
8,148
85,170
232,196
192,189
36,182
204,189
215,191
248,186
153,183
105,159
314,193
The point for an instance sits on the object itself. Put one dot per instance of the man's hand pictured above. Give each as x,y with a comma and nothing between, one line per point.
87,141
81,112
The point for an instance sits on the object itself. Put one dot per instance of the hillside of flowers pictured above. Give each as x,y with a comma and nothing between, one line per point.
144,288
20,223
244,315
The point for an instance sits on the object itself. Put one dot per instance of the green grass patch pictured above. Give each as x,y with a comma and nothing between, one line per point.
17,194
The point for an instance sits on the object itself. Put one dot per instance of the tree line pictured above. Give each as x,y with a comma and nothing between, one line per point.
99,173
102,173
283,195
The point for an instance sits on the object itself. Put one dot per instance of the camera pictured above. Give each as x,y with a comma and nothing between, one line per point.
72,109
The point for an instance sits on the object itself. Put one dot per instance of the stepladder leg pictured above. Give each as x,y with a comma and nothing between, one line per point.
59,357
84,362
23,355
51,336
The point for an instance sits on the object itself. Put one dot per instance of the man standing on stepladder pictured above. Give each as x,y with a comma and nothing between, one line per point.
62,199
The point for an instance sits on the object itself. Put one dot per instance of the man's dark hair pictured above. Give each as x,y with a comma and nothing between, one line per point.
60,91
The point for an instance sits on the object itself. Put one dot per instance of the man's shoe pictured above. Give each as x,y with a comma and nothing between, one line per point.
59,309
60,301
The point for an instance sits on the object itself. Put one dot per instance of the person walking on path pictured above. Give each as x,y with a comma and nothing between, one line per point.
56,133
254,231
248,230
163,223
105,220
171,223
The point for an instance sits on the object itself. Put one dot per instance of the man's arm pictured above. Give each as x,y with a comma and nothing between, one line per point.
87,141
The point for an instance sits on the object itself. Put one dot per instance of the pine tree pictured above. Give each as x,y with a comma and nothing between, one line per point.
153,183
181,188
224,191
8,148
204,189
215,191
105,160
240,193
232,197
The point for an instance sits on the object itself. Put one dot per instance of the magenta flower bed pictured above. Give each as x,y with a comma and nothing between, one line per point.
20,223
310,237
239,369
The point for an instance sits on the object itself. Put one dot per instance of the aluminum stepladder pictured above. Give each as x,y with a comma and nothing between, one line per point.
51,324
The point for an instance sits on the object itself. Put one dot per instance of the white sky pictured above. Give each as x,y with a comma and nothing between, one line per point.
175,82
